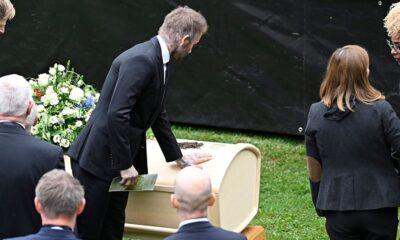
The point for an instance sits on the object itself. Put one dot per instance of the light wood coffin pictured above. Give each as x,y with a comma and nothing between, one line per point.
235,176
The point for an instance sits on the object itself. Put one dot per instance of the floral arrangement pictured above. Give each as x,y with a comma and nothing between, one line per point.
64,103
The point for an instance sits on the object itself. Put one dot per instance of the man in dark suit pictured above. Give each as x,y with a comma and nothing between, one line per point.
192,197
113,143
59,199
23,160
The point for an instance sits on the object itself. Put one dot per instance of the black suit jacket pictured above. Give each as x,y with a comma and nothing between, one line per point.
204,231
23,160
354,149
131,101
50,234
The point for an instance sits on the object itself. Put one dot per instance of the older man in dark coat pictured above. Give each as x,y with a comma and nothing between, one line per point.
23,160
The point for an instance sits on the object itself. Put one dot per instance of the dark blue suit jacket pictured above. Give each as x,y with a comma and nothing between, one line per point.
50,234
204,231
131,101
23,160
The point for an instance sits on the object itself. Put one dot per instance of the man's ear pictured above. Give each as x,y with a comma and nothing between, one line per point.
28,111
81,207
38,205
185,40
174,202
212,200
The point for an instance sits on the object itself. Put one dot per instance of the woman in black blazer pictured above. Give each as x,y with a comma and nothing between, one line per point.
349,137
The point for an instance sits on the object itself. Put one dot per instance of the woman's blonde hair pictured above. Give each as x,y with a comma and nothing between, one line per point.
347,77
392,20
7,10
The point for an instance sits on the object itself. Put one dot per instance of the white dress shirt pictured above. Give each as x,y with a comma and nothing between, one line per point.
194,220
164,53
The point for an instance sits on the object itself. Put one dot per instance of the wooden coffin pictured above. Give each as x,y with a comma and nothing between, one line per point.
235,176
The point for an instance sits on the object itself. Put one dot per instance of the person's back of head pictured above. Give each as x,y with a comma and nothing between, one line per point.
181,22
347,77
59,195
15,96
193,193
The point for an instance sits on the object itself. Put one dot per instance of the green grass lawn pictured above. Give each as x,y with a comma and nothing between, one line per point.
285,210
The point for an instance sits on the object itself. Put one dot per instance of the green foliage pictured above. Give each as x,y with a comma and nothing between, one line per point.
285,210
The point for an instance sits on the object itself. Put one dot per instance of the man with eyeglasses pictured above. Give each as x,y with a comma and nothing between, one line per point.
392,23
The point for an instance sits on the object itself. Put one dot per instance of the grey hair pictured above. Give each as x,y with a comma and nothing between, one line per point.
15,95
59,193
7,10
180,22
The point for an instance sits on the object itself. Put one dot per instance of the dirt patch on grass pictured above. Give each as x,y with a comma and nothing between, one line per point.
187,145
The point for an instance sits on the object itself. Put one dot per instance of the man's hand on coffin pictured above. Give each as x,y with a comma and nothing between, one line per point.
193,159
128,176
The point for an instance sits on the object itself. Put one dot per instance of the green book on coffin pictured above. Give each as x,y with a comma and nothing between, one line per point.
142,183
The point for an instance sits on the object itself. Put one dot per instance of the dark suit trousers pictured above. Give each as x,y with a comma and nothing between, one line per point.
104,214
380,224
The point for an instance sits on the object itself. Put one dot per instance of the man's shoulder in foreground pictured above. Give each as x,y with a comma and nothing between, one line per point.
204,230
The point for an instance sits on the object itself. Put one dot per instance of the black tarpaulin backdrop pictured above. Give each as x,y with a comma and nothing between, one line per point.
258,68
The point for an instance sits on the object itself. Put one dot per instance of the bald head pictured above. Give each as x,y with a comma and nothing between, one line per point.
193,191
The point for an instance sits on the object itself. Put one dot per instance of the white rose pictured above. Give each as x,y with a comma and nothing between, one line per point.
43,79
49,90
64,90
56,138
78,113
78,124
45,100
34,130
32,83
52,71
61,120
76,94
68,112
53,120
64,143
60,68
53,98
40,108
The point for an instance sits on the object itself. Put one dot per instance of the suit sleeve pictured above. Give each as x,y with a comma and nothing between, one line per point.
391,127
310,139
165,137
133,76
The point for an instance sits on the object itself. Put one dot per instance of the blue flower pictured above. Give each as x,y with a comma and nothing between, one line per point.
88,102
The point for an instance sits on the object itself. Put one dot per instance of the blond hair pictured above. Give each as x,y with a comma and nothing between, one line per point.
392,20
347,77
7,10
180,22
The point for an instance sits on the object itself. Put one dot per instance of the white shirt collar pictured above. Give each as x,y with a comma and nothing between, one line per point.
185,222
164,50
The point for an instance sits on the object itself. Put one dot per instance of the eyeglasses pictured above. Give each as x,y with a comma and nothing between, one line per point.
395,46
